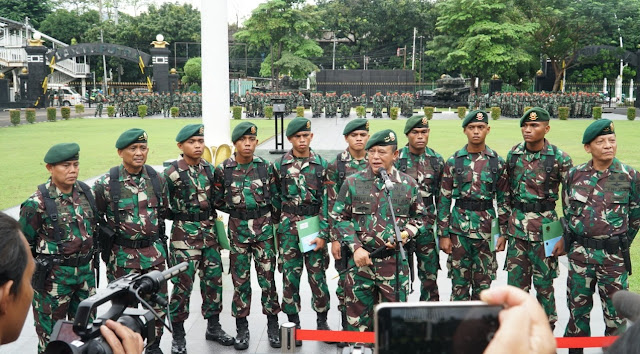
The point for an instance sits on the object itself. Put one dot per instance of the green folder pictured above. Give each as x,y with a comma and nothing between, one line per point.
223,240
495,233
308,230
551,234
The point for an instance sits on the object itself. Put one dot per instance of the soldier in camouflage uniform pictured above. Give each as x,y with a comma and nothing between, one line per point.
425,166
100,104
133,199
243,189
362,217
474,176
378,101
63,249
602,217
535,169
193,238
352,160
300,194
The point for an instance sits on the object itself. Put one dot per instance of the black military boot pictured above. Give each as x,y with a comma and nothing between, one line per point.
242,339
321,321
295,319
273,331
179,343
154,348
344,328
216,333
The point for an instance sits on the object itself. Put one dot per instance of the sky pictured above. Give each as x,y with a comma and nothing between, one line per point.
237,10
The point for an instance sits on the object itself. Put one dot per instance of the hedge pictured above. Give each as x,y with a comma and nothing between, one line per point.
111,111
268,112
495,113
428,112
79,108
361,112
65,112
631,113
299,111
462,112
596,112
31,115
237,112
394,113
51,114
563,113
142,110
174,112
14,116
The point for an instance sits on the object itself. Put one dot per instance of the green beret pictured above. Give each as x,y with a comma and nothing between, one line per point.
476,116
597,128
356,124
190,130
62,152
535,114
418,121
242,129
382,138
298,124
131,136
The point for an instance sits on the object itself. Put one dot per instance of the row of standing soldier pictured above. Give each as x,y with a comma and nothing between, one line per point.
126,103
353,215
512,104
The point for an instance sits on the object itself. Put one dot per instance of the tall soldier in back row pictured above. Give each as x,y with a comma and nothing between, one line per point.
352,160
602,219
425,166
58,221
193,238
243,188
132,198
535,169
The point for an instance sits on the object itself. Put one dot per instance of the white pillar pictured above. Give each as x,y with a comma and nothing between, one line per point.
215,72
631,91
604,85
618,88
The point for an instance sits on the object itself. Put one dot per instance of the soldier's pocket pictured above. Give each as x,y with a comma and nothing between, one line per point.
617,208
576,203
125,210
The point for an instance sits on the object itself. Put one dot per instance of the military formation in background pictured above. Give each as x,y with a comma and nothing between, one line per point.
126,103
513,104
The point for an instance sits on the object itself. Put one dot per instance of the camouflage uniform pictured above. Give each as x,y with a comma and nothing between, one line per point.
100,103
603,209
532,206
471,263
361,216
300,193
420,168
138,244
66,285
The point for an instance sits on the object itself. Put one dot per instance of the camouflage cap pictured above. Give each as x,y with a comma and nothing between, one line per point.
356,124
190,130
242,129
131,136
62,152
535,114
597,128
476,116
417,121
298,124
382,138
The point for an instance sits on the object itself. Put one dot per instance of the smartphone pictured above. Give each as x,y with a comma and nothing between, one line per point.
460,327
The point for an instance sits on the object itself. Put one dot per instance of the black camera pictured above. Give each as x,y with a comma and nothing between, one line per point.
83,335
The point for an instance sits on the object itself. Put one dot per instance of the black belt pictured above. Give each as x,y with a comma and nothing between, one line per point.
474,204
611,244
125,242
385,254
68,261
304,210
245,214
205,215
537,207
429,200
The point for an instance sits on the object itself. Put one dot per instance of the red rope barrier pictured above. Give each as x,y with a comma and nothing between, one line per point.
369,337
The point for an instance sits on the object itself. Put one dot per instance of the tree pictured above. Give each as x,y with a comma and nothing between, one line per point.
285,27
482,37
192,72
64,25
17,10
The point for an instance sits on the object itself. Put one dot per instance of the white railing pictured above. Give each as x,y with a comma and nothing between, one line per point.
16,56
13,40
72,68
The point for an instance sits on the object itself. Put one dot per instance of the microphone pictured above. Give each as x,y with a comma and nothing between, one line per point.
387,182
627,304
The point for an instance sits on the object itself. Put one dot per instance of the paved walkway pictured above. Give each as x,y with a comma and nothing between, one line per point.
325,142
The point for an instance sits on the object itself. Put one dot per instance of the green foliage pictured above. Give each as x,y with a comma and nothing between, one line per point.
495,113
111,111
14,116
66,25
192,72
268,112
174,112
142,110
17,10
596,112
299,111
428,112
361,112
563,113
462,112
237,112
394,113
195,88
65,112
31,115
79,108
631,113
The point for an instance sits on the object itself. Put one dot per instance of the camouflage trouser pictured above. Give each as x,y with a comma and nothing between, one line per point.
290,264
428,266
526,260
588,268
98,110
471,265
240,263
208,263
63,291
115,272
368,286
